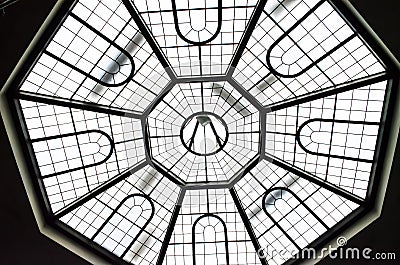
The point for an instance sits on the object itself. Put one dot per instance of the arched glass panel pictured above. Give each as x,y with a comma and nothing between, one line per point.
69,152
292,216
125,224
338,138
197,22
210,241
96,57
308,42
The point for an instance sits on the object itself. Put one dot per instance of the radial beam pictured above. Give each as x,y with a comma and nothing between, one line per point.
248,226
51,100
170,228
326,92
246,94
351,16
263,132
246,36
103,187
159,98
149,38
324,184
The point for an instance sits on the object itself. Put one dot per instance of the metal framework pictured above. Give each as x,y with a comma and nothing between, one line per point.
153,137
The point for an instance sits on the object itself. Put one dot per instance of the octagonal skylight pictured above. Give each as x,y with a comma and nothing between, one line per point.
204,132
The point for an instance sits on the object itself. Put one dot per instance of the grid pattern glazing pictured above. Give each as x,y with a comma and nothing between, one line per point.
77,150
99,55
296,36
225,240
201,132
197,23
166,120
333,138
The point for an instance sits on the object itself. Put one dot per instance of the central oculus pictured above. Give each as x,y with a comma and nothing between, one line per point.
204,133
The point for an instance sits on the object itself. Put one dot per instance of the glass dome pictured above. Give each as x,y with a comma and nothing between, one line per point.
204,132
